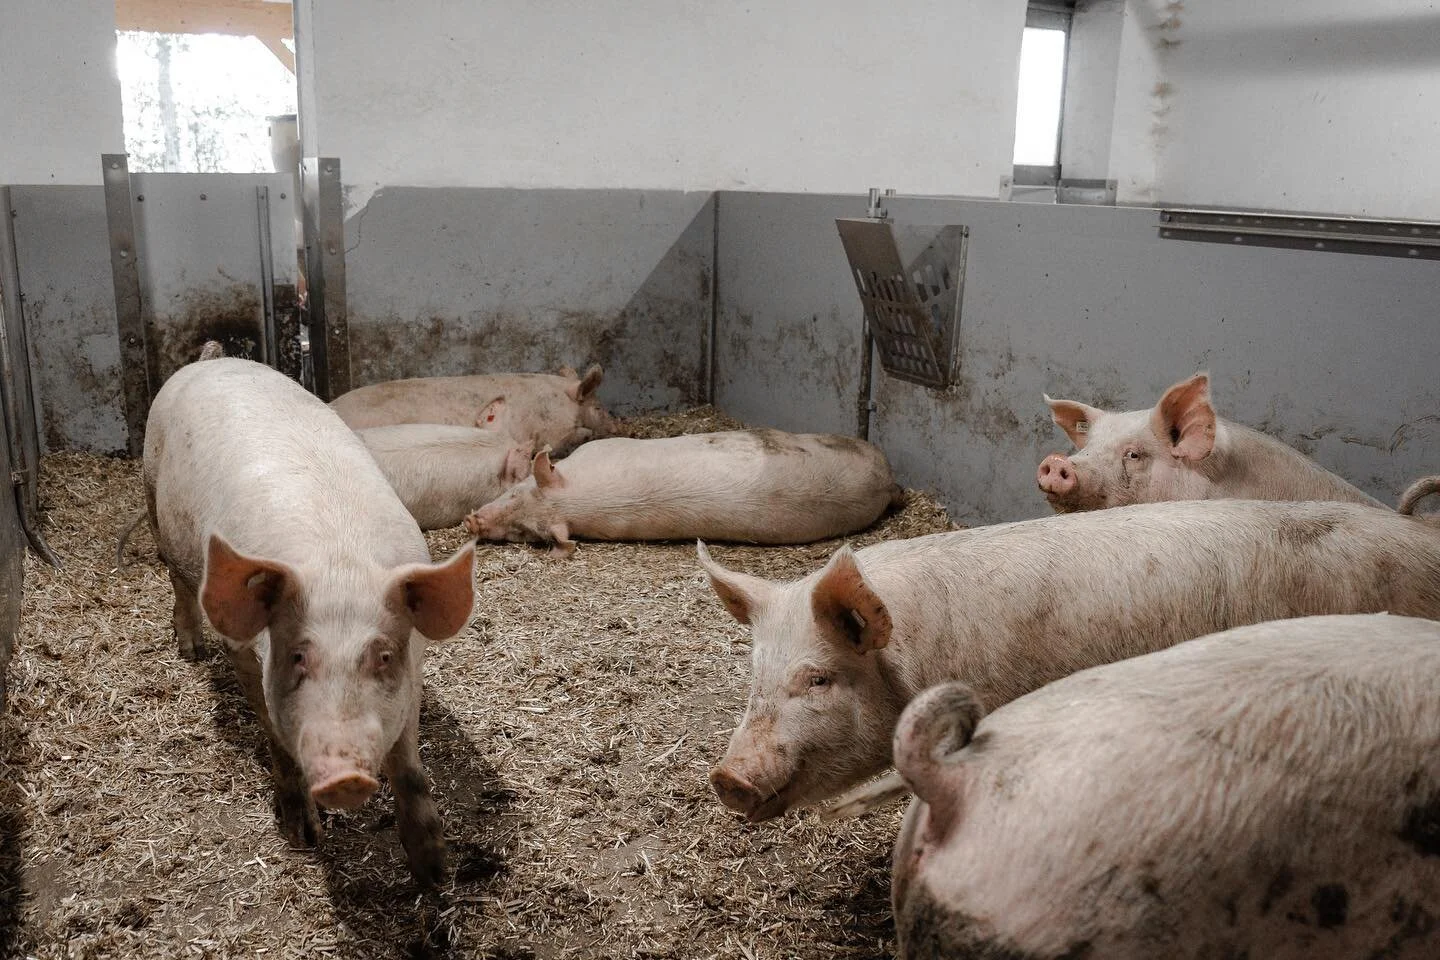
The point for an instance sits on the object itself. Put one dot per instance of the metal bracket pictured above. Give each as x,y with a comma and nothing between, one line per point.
268,348
1408,239
136,376
324,224
1097,192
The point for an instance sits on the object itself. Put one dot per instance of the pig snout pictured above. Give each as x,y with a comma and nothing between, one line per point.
739,793
342,787
1056,475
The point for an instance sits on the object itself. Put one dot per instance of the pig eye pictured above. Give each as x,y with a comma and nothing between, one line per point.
384,658
819,681
1132,454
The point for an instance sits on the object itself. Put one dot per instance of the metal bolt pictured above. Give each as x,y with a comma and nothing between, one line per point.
332,251
124,254
282,196
203,197
140,198
130,340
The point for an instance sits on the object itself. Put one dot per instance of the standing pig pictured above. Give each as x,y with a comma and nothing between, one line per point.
561,412
441,473
274,520
1180,450
758,486
1011,607
1269,792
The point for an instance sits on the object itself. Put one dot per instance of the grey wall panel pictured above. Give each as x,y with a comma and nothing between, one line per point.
64,253
788,326
444,281
1332,353
198,236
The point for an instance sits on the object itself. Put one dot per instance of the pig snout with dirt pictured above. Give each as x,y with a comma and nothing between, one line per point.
1009,608
755,486
1179,450
317,578
559,411
441,472
1271,791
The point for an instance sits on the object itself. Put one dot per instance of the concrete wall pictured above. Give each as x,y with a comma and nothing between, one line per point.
813,95
449,281
59,93
1321,350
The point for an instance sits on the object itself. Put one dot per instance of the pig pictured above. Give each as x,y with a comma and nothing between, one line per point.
441,472
274,521
560,412
1271,791
757,486
1008,608
1180,450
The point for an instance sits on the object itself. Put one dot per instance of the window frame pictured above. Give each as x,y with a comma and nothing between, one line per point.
1048,15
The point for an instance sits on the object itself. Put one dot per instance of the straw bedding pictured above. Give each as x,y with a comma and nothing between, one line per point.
568,730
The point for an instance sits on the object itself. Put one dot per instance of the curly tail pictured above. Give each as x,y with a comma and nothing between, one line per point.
1417,491
120,546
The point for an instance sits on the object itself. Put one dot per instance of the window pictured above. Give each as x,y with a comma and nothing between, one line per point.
201,83
1038,109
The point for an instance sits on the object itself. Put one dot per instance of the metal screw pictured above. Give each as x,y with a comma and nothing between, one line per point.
282,196
124,254
332,251
130,340
140,198
203,197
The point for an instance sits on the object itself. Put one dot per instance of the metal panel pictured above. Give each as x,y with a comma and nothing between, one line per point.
327,314
200,262
1412,240
911,288
454,280
137,376
18,394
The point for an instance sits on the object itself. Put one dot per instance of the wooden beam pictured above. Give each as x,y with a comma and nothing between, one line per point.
282,52
240,18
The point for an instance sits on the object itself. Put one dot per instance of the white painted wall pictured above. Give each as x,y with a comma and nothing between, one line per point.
59,92
807,95
1326,106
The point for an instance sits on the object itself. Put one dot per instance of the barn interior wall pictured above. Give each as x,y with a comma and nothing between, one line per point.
1318,349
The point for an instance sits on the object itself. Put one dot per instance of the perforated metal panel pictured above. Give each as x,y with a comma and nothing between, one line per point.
911,281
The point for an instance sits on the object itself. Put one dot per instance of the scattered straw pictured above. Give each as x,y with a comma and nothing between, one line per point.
568,731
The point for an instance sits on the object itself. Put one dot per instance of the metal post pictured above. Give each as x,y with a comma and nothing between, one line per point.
862,401
135,374
268,351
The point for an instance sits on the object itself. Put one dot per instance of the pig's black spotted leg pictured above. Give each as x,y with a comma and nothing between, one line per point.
422,833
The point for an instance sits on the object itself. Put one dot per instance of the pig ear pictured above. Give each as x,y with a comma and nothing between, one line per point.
932,731
517,463
845,601
239,593
742,594
546,476
1185,419
582,391
1076,419
439,596
490,413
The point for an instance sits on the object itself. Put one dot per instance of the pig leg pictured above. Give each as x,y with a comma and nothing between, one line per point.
294,807
417,819
187,619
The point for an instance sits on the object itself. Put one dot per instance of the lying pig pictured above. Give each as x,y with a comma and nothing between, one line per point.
1011,607
441,472
1272,791
317,578
1180,450
556,411
757,486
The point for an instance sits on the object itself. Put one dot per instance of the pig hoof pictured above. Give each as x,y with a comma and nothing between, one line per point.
192,649
299,824
427,861
472,525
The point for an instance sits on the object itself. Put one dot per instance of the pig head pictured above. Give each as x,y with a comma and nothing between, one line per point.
338,653
822,703
1135,456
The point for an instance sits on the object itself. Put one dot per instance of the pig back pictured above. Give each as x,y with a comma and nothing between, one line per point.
440,472
449,400
236,447
1011,607
757,486
1272,789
